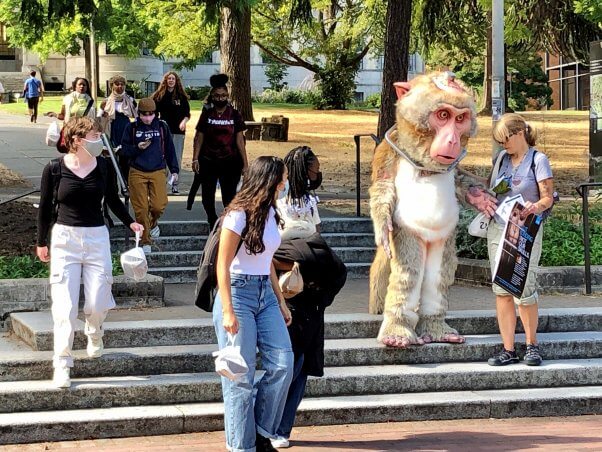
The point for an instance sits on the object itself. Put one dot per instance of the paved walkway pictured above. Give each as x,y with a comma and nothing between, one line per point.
536,434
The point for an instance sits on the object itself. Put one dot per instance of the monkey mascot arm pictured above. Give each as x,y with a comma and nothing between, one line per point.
415,210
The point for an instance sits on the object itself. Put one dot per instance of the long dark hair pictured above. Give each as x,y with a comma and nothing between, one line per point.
297,162
178,92
256,197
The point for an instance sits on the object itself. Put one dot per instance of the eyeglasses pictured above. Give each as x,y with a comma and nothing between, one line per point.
147,113
501,143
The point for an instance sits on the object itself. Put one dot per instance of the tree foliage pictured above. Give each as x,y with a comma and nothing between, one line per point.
331,44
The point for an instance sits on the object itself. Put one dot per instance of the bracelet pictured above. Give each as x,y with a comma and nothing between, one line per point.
195,161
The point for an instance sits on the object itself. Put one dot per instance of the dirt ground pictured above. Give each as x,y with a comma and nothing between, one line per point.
18,229
563,136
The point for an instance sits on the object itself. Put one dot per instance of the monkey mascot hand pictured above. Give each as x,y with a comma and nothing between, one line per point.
415,211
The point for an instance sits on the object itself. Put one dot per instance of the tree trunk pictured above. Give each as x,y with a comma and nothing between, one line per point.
87,61
235,54
488,69
395,66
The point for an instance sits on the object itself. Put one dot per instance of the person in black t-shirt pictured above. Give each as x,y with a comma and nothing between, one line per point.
219,152
173,108
79,247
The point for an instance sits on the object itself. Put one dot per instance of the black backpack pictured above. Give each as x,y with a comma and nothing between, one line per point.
206,274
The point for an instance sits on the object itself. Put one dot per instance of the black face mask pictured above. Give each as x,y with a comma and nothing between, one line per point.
315,184
220,103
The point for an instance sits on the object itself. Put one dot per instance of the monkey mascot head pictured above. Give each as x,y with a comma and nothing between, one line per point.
436,116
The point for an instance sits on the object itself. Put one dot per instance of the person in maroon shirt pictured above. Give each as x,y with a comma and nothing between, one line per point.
219,152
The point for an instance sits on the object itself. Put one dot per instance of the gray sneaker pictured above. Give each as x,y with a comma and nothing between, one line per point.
533,356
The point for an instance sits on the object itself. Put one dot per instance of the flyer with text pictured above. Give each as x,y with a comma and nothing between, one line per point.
514,252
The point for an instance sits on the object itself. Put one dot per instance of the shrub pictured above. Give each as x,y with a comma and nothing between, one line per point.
284,96
31,267
198,92
373,100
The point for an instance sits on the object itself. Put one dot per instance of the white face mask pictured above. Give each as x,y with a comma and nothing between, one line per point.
282,193
94,148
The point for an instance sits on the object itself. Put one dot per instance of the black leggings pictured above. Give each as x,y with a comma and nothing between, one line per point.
227,171
32,104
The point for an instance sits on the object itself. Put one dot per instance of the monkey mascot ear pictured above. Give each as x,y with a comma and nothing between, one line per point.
401,89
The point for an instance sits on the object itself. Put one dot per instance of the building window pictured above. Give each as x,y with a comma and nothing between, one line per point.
358,96
150,88
6,51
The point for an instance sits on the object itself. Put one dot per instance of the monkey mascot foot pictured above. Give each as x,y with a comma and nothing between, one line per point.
434,329
415,210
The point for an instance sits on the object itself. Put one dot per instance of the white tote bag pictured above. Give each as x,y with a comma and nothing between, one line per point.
134,262
53,134
229,362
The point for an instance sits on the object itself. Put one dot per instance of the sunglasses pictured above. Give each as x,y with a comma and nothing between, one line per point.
501,143
147,113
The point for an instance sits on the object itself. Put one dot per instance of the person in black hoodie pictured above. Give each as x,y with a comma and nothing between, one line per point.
148,145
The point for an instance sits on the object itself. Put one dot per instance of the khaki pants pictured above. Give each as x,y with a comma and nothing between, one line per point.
148,195
78,253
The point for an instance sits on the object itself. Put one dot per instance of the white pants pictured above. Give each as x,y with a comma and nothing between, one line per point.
77,252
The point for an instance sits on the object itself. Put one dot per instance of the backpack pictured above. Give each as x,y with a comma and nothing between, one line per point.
56,173
206,282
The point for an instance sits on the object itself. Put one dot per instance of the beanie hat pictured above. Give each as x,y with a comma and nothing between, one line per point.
146,104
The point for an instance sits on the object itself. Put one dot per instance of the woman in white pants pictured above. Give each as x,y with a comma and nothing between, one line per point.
71,193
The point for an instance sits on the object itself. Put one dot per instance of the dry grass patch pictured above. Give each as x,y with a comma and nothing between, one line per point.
564,137
9,178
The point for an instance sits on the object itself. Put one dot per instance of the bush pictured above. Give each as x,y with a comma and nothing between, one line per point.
562,237
32,267
197,93
284,96
373,100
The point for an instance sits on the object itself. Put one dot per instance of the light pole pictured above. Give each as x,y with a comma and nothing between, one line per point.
498,76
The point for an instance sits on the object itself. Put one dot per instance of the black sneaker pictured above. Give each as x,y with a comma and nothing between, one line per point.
532,356
503,358
263,444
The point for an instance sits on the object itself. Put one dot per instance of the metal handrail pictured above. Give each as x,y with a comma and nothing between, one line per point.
356,138
19,197
583,190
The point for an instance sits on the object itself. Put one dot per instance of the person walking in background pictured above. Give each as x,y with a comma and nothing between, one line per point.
78,102
73,189
173,108
33,90
250,307
219,152
118,110
148,145
529,174
324,274
1,91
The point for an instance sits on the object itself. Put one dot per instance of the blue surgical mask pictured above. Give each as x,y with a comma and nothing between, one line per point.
284,192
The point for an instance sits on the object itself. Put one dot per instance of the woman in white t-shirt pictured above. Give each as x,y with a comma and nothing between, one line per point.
250,306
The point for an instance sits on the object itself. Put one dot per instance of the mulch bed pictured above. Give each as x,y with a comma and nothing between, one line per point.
17,229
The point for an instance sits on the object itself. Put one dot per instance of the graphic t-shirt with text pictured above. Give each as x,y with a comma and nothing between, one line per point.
219,132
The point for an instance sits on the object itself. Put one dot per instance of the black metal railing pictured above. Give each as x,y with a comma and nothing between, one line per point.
19,197
358,182
583,190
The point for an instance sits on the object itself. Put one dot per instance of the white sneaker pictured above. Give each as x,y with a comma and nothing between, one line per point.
95,347
155,232
280,442
61,378
147,249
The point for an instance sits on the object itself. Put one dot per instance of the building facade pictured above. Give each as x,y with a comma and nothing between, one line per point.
570,83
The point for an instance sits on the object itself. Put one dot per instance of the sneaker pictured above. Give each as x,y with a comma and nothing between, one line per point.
61,378
174,190
503,358
155,232
263,444
532,355
95,347
280,442
147,249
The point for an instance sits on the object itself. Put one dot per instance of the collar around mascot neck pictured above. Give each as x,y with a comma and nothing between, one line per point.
423,172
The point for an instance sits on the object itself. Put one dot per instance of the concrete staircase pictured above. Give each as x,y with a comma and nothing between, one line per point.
176,253
156,377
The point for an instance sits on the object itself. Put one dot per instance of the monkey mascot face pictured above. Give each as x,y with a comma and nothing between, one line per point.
436,115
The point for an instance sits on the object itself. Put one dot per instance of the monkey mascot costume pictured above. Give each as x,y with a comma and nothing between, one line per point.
415,210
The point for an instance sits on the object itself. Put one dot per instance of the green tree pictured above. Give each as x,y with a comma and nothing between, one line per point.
275,73
331,44
529,82
63,26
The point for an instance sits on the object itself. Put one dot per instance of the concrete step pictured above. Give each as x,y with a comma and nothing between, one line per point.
107,392
184,418
17,366
196,243
35,328
192,258
197,228
172,275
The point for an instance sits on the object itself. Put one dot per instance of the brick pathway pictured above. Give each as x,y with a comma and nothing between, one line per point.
581,433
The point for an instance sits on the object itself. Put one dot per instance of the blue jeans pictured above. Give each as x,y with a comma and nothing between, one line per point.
295,394
262,326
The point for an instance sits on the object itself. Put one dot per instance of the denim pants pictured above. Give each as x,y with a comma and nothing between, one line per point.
295,395
261,326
